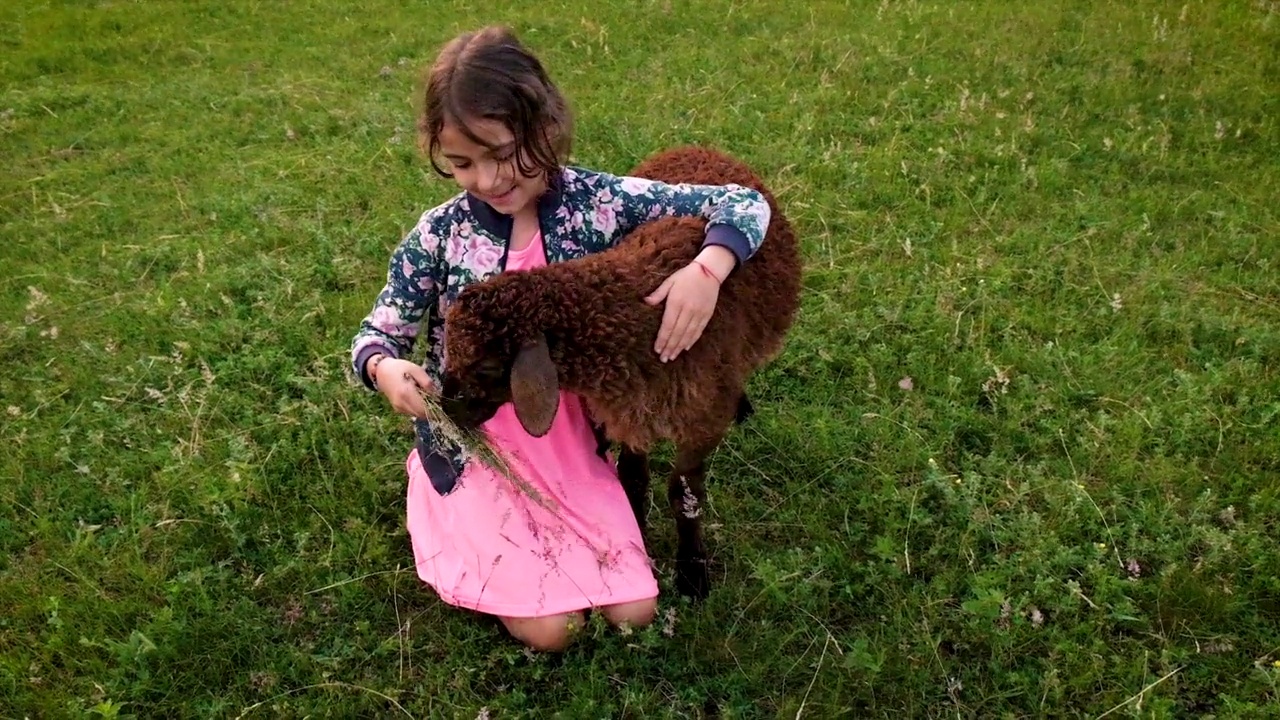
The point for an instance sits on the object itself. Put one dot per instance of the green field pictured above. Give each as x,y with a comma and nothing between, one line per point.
1020,458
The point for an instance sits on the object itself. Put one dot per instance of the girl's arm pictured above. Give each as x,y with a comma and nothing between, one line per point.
405,302
737,216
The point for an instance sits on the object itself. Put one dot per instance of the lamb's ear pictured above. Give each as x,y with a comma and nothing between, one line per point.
535,389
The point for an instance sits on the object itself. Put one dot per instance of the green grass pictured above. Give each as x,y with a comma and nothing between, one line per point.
1058,219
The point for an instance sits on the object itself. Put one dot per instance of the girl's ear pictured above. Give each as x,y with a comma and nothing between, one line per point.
535,388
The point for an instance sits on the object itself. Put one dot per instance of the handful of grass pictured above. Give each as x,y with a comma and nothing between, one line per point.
478,444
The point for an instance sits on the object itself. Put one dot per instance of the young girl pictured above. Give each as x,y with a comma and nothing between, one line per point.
503,131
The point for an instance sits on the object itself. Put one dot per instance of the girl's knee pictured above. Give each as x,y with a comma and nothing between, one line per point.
635,614
552,633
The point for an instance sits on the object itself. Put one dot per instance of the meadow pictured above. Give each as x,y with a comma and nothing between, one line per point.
1020,458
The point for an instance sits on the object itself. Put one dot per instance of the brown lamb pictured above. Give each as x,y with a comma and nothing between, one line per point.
583,325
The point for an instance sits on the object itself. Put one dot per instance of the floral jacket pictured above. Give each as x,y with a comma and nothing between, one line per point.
465,240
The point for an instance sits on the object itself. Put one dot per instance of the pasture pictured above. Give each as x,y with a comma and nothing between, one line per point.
1020,458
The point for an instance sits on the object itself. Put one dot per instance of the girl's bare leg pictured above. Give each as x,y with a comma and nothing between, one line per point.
636,614
551,633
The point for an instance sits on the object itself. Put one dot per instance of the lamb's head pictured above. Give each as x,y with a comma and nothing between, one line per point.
493,358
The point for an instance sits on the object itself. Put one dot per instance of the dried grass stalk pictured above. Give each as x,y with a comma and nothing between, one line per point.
478,444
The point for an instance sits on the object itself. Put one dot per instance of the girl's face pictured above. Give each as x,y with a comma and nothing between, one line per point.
491,175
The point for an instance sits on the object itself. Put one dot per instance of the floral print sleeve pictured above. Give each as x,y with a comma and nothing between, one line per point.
737,216
403,306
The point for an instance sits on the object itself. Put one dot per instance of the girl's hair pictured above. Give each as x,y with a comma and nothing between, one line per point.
490,75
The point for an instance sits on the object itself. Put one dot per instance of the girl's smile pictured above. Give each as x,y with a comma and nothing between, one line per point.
497,200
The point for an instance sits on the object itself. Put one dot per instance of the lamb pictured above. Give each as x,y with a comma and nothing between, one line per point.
583,325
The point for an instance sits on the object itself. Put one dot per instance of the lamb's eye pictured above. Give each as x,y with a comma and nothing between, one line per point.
487,370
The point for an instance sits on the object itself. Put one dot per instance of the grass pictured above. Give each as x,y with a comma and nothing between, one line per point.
1018,460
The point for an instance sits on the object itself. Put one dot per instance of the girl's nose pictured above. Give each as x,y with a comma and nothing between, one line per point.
488,177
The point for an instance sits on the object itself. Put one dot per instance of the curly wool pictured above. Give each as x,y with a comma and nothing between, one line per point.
600,332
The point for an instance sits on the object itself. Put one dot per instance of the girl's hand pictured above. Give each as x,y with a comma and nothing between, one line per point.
690,293
402,382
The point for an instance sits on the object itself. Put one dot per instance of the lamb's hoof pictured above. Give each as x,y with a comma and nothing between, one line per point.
692,579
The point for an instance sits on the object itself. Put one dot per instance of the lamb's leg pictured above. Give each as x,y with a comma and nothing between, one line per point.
633,472
602,440
686,492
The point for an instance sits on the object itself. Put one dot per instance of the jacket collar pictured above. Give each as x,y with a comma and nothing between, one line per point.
499,224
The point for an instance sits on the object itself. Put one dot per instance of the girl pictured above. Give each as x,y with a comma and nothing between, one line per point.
503,131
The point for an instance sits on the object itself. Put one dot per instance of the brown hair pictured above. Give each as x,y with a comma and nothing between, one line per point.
489,74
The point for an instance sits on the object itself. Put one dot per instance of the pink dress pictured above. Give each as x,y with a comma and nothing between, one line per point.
489,546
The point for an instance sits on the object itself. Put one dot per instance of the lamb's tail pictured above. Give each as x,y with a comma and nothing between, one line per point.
745,409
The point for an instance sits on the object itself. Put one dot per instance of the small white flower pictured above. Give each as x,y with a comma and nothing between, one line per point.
1214,647
37,298
999,381
1228,516
669,622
